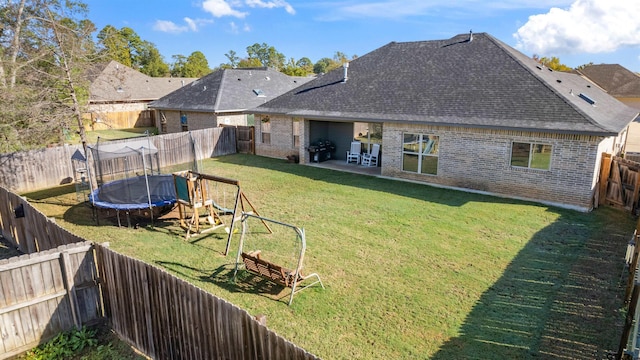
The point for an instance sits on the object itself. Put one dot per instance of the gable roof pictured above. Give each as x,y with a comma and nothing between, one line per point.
230,90
615,79
456,82
114,82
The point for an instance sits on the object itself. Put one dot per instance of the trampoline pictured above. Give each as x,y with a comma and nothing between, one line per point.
131,193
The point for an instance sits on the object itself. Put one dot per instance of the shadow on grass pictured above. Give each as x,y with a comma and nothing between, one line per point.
418,191
223,278
560,297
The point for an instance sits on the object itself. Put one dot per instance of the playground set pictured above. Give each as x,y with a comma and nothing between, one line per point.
126,177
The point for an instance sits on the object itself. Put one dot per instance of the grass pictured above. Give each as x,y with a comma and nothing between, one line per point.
411,271
110,134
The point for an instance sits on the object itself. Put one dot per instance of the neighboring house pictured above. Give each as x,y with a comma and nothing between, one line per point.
624,85
616,80
221,98
468,112
118,96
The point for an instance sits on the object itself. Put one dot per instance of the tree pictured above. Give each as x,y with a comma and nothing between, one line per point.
233,59
151,61
126,47
266,55
249,63
177,67
196,65
552,63
324,65
115,46
305,64
45,49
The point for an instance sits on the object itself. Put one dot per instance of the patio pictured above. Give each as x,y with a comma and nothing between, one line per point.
342,165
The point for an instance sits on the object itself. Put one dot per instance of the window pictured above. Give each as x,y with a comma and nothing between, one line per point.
531,155
296,132
183,121
266,130
420,153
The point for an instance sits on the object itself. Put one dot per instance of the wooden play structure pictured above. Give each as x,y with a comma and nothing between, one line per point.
254,262
203,209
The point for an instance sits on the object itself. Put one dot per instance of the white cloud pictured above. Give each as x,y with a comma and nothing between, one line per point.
220,8
394,9
587,26
168,26
171,27
235,29
272,4
191,24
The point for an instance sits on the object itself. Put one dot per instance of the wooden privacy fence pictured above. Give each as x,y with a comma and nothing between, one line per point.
46,293
168,318
246,139
29,229
165,317
619,183
45,168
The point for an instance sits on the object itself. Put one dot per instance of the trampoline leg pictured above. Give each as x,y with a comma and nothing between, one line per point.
118,216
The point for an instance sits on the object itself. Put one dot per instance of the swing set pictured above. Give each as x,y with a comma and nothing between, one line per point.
202,203
256,264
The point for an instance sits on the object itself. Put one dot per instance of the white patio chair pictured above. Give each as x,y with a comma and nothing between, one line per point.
354,153
371,159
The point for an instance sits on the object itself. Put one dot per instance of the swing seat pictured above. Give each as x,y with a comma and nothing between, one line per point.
276,273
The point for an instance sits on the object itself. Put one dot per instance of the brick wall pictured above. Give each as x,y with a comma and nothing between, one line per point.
480,160
281,137
197,120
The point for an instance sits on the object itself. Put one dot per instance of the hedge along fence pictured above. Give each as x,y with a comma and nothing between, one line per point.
43,294
45,168
158,313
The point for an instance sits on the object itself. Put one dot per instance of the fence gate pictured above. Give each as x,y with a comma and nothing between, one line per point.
619,182
245,139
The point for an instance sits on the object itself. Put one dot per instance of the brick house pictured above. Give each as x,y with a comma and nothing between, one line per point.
118,96
221,98
468,112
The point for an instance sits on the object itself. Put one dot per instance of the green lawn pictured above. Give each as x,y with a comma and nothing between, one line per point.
110,134
410,271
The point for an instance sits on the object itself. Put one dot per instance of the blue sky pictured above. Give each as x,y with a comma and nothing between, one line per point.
576,31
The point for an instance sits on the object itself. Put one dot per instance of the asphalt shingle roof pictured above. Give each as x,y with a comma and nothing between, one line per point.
114,82
614,79
230,90
456,82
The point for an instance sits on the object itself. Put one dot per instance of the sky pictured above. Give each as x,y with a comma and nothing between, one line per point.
578,32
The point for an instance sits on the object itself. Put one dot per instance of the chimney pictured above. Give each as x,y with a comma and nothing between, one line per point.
470,35
345,67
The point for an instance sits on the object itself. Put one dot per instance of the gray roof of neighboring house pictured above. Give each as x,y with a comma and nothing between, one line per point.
230,90
456,82
114,82
615,79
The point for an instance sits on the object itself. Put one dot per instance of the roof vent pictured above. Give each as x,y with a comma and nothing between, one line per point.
267,78
259,92
587,99
345,67
470,35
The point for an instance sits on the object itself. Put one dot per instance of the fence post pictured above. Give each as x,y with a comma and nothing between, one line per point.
628,323
67,276
605,171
